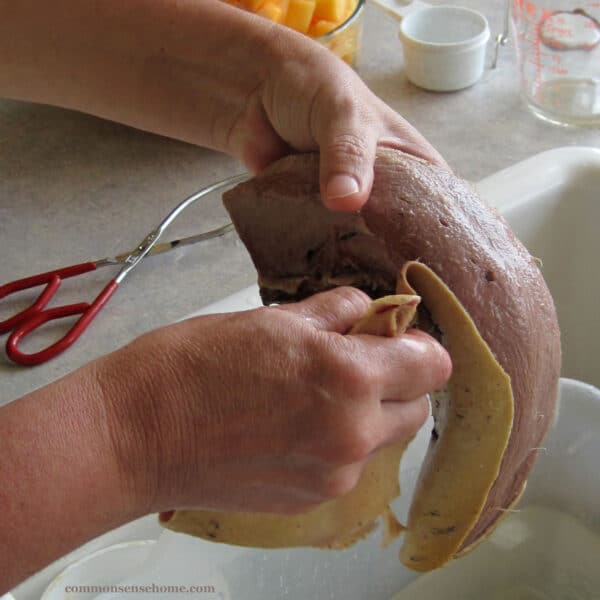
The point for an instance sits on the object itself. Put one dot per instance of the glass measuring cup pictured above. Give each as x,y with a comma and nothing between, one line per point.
558,55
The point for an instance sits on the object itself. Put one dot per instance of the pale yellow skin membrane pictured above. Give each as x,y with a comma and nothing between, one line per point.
473,434
473,424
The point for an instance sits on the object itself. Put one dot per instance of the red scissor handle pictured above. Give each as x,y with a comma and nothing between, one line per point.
87,311
52,280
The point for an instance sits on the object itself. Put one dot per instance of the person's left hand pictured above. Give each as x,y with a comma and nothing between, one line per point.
311,100
211,74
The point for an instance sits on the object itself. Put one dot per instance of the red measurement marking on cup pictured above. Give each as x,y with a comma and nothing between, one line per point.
545,36
570,30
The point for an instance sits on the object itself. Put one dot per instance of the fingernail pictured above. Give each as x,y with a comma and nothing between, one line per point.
341,186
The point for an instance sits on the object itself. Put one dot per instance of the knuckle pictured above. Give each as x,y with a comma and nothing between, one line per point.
351,376
439,363
445,365
411,422
347,106
431,365
350,298
339,483
419,414
352,445
349,145
360,443
359,379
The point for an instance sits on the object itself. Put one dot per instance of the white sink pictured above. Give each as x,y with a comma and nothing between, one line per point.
554,208
549,548
552,202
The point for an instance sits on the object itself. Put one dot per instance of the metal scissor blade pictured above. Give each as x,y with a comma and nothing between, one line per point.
186,241
149,244
192,239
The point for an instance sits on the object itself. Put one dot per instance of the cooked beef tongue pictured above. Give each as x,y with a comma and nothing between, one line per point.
416,212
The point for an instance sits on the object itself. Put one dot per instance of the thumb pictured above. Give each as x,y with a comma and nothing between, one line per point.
346,169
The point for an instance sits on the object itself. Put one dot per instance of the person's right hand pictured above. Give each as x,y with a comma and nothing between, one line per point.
269,410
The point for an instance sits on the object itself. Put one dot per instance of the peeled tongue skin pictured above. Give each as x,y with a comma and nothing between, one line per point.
421,212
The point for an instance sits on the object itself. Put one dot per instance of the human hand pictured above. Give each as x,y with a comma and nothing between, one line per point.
311,100
210,74
270,410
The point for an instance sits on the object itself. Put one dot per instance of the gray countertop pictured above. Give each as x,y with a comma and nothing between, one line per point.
74,188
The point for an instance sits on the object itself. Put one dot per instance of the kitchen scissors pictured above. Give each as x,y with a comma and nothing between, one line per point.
29,319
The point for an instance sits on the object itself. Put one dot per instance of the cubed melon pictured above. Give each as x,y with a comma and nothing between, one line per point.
254,5
330,10
271,10
299,14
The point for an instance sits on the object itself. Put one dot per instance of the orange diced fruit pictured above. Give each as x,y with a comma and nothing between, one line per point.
299,14
330,10
254,5
284,5
322,27
271,11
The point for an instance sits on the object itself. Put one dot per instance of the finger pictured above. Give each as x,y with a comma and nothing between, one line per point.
400,421
335,310
406,367
255,140
347,144
414,143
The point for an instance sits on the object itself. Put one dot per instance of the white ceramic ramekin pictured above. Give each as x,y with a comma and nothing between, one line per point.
444,47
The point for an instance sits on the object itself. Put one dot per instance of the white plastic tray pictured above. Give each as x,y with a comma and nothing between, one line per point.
552,202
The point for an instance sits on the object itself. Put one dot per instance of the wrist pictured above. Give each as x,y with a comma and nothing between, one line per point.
81,406
128,404
143,397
